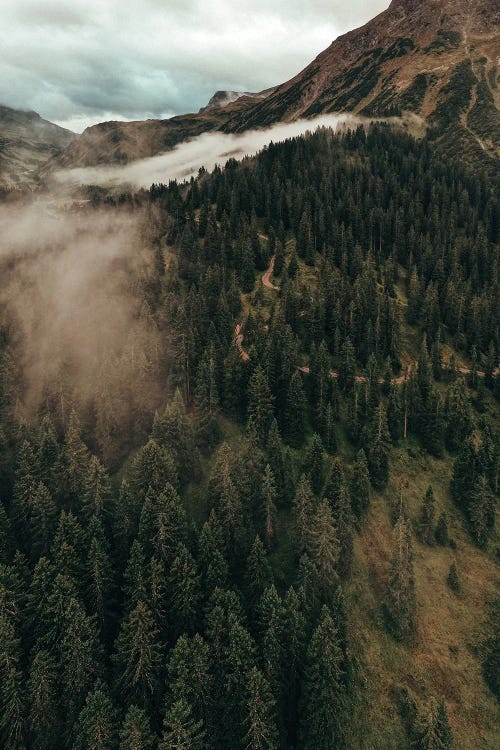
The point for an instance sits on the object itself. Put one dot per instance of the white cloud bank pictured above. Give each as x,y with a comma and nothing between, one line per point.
206,150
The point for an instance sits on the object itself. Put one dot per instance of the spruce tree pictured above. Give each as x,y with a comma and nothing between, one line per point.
74,462
260,404
96,497
12,710
401,599
432,730
396,414
441,533
184,591
268,509
138,658
135,732
465,470
360,486
323,695
42,520
135,577
271,639
378,449
458,416
277,462
324,550
426,520
258,572
260,727
304,504
152,468
12,695
347,368
180,730
295,413
189,676
97,727
80,658
314,464
491,650
294,627
482,511
453,580
44,716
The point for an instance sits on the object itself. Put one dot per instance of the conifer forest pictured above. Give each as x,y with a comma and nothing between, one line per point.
269,521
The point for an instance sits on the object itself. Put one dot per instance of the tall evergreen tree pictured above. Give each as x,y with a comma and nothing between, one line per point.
44,715
136,733
295,413
260,404
324,549
181,732
323,697
260,722
401,598
97,727
482,511
433,731
360,486
138,657
268,510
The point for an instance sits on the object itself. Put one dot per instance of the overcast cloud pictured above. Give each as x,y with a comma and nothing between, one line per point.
78,62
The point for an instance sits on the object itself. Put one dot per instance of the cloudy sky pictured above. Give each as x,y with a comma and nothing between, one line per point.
78,62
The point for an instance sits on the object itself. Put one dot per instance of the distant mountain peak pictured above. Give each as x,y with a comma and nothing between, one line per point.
223,98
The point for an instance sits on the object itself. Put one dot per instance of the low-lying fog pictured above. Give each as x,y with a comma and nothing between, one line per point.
68,298
69,281
206,150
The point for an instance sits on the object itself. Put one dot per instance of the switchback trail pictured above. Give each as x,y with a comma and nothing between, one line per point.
266,280
360,378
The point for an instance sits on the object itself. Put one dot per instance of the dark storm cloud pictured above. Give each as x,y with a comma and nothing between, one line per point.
83,61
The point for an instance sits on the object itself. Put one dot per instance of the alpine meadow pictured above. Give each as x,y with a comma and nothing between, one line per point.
249,377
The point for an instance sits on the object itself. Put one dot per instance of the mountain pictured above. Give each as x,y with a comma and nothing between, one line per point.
26,142
222,98
122,142
436,58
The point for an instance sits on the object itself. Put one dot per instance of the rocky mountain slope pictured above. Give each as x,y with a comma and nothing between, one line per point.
26,142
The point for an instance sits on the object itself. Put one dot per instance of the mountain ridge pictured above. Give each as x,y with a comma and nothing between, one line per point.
403,59
27,141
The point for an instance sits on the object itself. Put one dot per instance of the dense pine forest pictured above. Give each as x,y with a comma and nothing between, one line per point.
289,541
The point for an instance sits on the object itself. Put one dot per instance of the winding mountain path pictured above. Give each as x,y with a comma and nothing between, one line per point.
239,337
266,280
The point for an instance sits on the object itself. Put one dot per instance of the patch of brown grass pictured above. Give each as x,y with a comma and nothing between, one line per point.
444,661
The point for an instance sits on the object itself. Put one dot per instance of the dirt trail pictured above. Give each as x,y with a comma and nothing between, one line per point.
360,378
266,278
238,337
